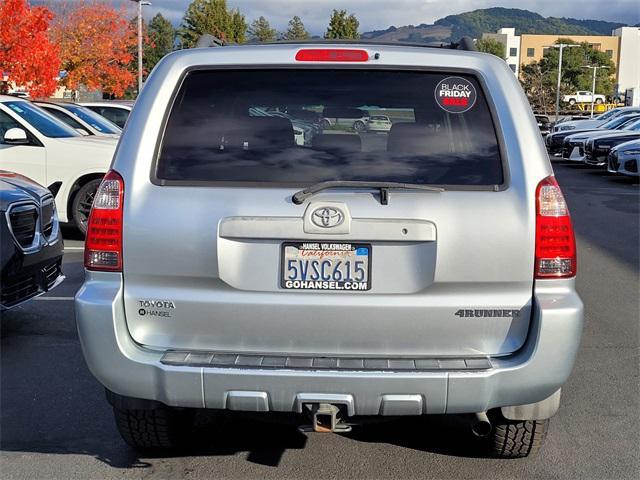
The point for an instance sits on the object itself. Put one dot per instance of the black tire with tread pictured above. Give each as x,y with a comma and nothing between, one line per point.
90,187
156,429
516,438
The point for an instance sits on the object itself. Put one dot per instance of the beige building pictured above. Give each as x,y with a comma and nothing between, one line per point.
532,47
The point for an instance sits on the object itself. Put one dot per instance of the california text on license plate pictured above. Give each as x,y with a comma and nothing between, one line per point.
326,266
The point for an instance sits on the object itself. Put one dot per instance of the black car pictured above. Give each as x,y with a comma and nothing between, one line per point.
555,140
31,245
544,124
618,124
597,149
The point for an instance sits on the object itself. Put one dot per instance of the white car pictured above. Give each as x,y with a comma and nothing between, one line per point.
115,112
583,96
41,147
86,121
379,123
351,118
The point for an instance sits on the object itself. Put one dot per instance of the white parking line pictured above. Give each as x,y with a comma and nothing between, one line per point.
55,298
73,248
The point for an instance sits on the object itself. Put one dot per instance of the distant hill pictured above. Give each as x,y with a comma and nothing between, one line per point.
477,22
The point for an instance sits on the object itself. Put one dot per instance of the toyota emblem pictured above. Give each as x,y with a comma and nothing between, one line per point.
327,217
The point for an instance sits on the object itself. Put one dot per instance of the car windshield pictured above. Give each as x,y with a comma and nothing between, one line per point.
98,122
610,114
619,121
46,124
230,133
634,126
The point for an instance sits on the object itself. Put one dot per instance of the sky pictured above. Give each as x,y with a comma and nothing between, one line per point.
380,14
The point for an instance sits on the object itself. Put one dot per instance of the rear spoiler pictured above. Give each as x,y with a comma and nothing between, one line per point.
465,43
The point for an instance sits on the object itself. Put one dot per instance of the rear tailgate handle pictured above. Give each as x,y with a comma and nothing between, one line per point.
362,229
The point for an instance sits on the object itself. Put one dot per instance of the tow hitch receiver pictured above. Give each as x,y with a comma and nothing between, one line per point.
326,418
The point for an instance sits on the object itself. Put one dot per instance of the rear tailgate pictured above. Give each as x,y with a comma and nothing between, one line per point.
218,257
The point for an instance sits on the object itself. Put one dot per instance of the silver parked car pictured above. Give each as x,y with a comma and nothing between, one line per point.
624,158
427,271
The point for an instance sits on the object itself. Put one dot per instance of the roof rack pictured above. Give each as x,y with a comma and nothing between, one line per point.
465,43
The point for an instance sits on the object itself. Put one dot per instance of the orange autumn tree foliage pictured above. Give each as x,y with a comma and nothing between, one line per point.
27,57
96,43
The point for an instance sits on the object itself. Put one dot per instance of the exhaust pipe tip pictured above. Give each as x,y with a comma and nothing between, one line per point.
481,427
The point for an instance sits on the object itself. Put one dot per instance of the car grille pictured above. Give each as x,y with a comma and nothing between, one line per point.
631,166
30,222
614,164
15,290
20,288
48,217
51,274
588,147
23,220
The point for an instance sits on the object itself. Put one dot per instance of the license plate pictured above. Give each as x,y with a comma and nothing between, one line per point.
326,266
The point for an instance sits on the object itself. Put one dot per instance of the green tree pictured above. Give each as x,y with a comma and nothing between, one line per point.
296,30
160,38
212,17
261,31
342,26
490,45
238,26
538,86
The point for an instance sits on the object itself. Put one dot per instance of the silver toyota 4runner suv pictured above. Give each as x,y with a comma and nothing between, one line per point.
428,269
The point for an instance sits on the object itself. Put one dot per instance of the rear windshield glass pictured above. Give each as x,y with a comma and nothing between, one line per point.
299,126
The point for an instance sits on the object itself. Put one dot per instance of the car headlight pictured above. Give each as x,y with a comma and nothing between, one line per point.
568,127
631,152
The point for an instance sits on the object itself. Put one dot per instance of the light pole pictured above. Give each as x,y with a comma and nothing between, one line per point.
593,83
561,47
140,3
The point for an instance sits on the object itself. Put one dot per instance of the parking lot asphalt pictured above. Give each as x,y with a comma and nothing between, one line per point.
56,423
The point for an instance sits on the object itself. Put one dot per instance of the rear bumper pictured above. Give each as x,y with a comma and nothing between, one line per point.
532,374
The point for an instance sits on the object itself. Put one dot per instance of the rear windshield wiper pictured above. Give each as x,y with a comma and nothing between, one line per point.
384,188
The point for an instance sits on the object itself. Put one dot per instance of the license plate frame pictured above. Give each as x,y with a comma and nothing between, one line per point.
331,285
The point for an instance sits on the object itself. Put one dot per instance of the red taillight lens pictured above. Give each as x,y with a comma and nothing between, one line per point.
332,55
555,240
103,244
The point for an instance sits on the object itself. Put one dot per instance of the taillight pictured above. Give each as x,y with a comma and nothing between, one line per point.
103,243
332,55
555,240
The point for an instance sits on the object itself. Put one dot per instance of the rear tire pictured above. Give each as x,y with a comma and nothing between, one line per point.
516,438
359,126
81,205
598,101
155,429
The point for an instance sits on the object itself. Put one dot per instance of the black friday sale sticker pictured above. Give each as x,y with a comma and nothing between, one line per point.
455,94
